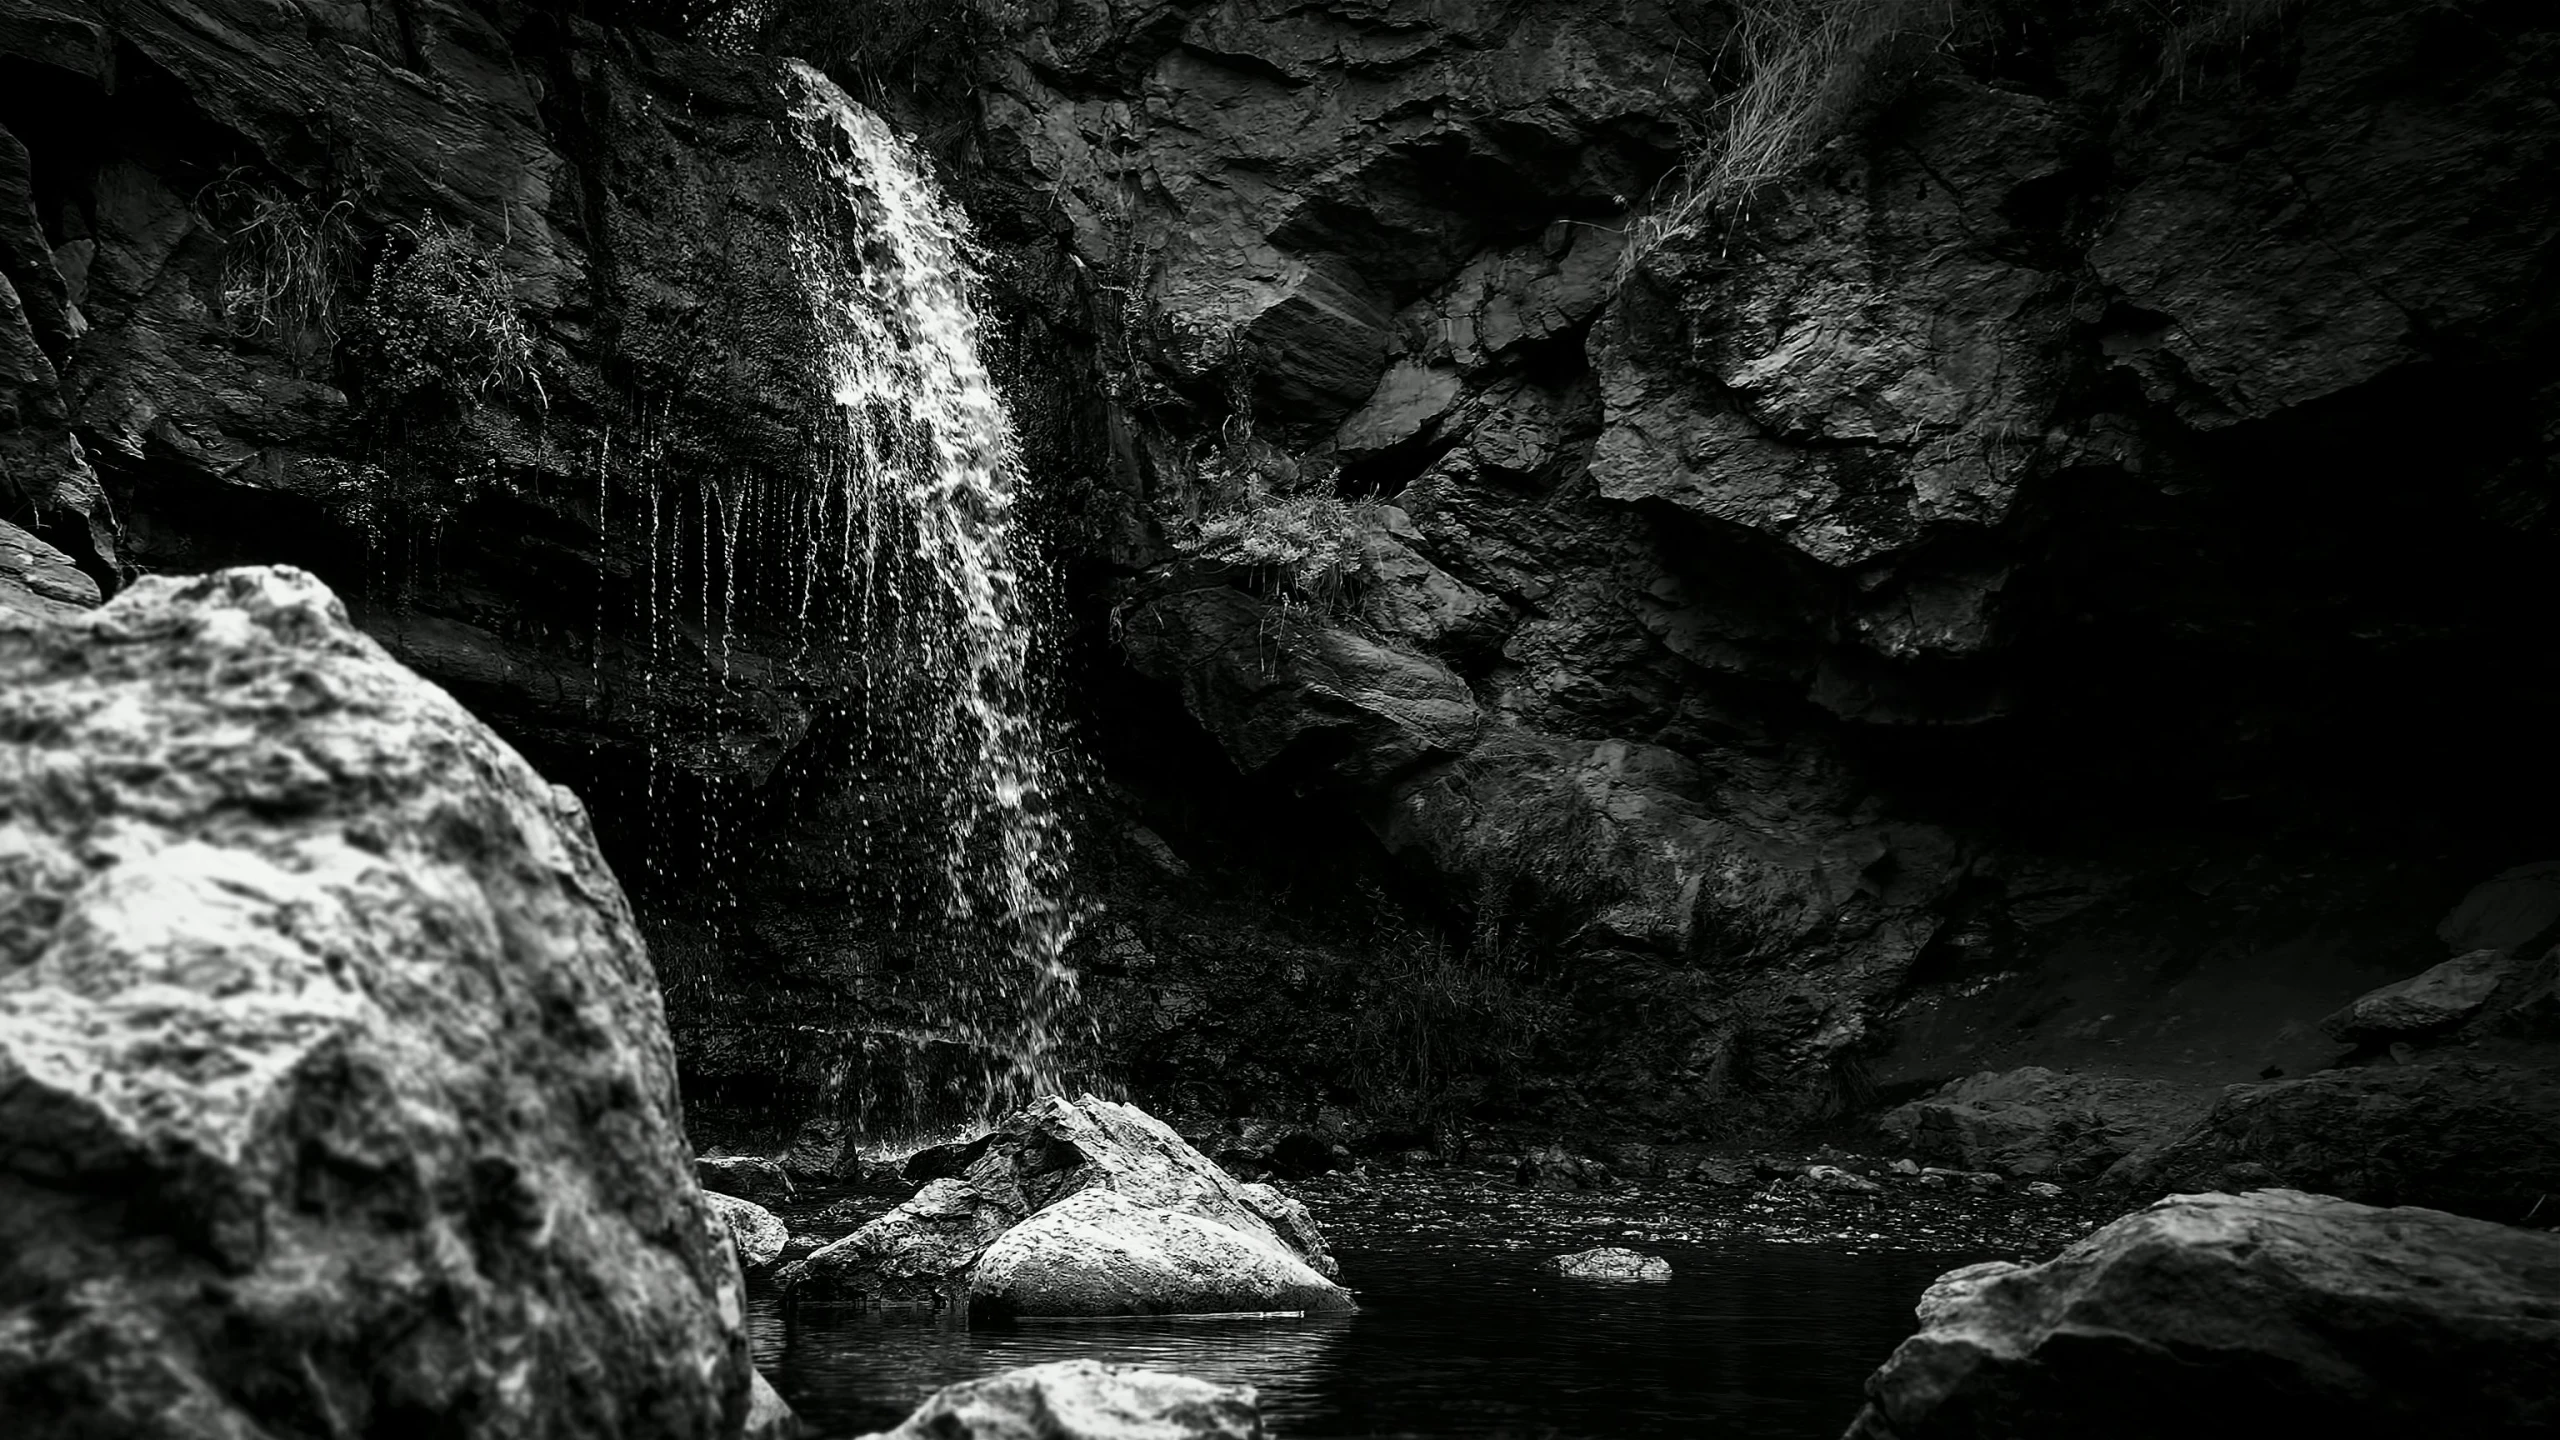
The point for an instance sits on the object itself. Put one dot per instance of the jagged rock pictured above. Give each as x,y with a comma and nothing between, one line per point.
758,1233
2206,1314
1832,1177
749,1177
1191,1223
2044,1190
1098,1252
1084,1400
2426,1004
2035,1122
38,581
914,1255
1553,1167
1609,1262
2474,1137
332,1065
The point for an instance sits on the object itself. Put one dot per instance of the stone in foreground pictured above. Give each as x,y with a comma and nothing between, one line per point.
758,1233
1609,1262
1099,1253
337,1091
2216,1314
1085,1400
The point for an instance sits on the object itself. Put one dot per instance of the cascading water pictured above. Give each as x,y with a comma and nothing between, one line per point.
908,519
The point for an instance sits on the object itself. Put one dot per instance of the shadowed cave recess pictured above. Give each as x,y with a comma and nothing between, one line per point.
2057,577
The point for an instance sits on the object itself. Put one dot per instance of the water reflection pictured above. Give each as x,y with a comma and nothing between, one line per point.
1460,1335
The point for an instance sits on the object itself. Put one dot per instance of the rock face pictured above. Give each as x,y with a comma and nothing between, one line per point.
1082,1207
2205,1309
332,1065
1608,1262
1758,630
2475,1137
2034,1123
1084,1400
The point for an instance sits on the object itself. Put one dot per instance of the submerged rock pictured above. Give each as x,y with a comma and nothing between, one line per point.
1098,1252
758,1233
1084,1400
1609,1262
332,1065
2211,1314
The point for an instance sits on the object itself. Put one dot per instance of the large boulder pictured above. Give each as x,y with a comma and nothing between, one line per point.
1084,1400
2474,1137
1099,1253
2431,1003
2035,1122
1044,1154
2214,1314
337,1090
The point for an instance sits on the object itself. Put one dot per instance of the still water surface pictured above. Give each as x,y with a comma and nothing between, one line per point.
1758,1333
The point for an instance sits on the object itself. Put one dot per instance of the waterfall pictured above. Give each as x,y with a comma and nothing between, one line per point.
908,517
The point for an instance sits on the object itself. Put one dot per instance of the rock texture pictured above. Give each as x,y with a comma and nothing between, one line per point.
2034,1123
758,1233
1084,1207
2207,1313
1084,1400
336,1087
1608,1262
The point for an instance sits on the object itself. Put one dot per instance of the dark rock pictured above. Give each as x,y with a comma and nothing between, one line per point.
749,1177
38,581
759,1234
2206,1313
1608,1262
916,1255
1084,1400
1555,1168
1098,1252
2430,1003
2508,911
2473,1137
2036,1122
332,1064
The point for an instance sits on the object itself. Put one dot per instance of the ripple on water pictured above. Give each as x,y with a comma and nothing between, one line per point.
1768,1326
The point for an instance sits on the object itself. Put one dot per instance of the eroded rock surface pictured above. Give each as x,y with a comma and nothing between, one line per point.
1609,1262
2204,1309
2035,1123
333,1073
758,1233
1099,1253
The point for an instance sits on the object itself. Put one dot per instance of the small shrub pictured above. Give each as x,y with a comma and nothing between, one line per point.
1309,548
286,261
1435,1029
1806,67
441,322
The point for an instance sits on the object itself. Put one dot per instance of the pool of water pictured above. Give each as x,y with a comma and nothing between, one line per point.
1767,1328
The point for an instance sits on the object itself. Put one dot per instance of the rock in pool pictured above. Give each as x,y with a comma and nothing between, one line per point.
1084,1400
1099,1253
2232,1314
1608,1262
758,1233
749,1177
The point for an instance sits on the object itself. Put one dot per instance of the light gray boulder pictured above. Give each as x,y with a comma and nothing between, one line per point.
1099,1253
758,1233
1610,1262
1085,1400
2429,1003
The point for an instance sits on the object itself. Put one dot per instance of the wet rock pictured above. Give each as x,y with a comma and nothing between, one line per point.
2204,1309
2043,1190
1555,1168
2429,1003
1906,1166
914,1255
759,1234
1084,1400
2036,1122
2473,1137
749,1177
331,1061
1832,1177
1288,1218
1098,1252
1609,1262
1718,1171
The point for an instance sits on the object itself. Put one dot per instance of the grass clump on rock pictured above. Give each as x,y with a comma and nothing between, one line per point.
441,322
